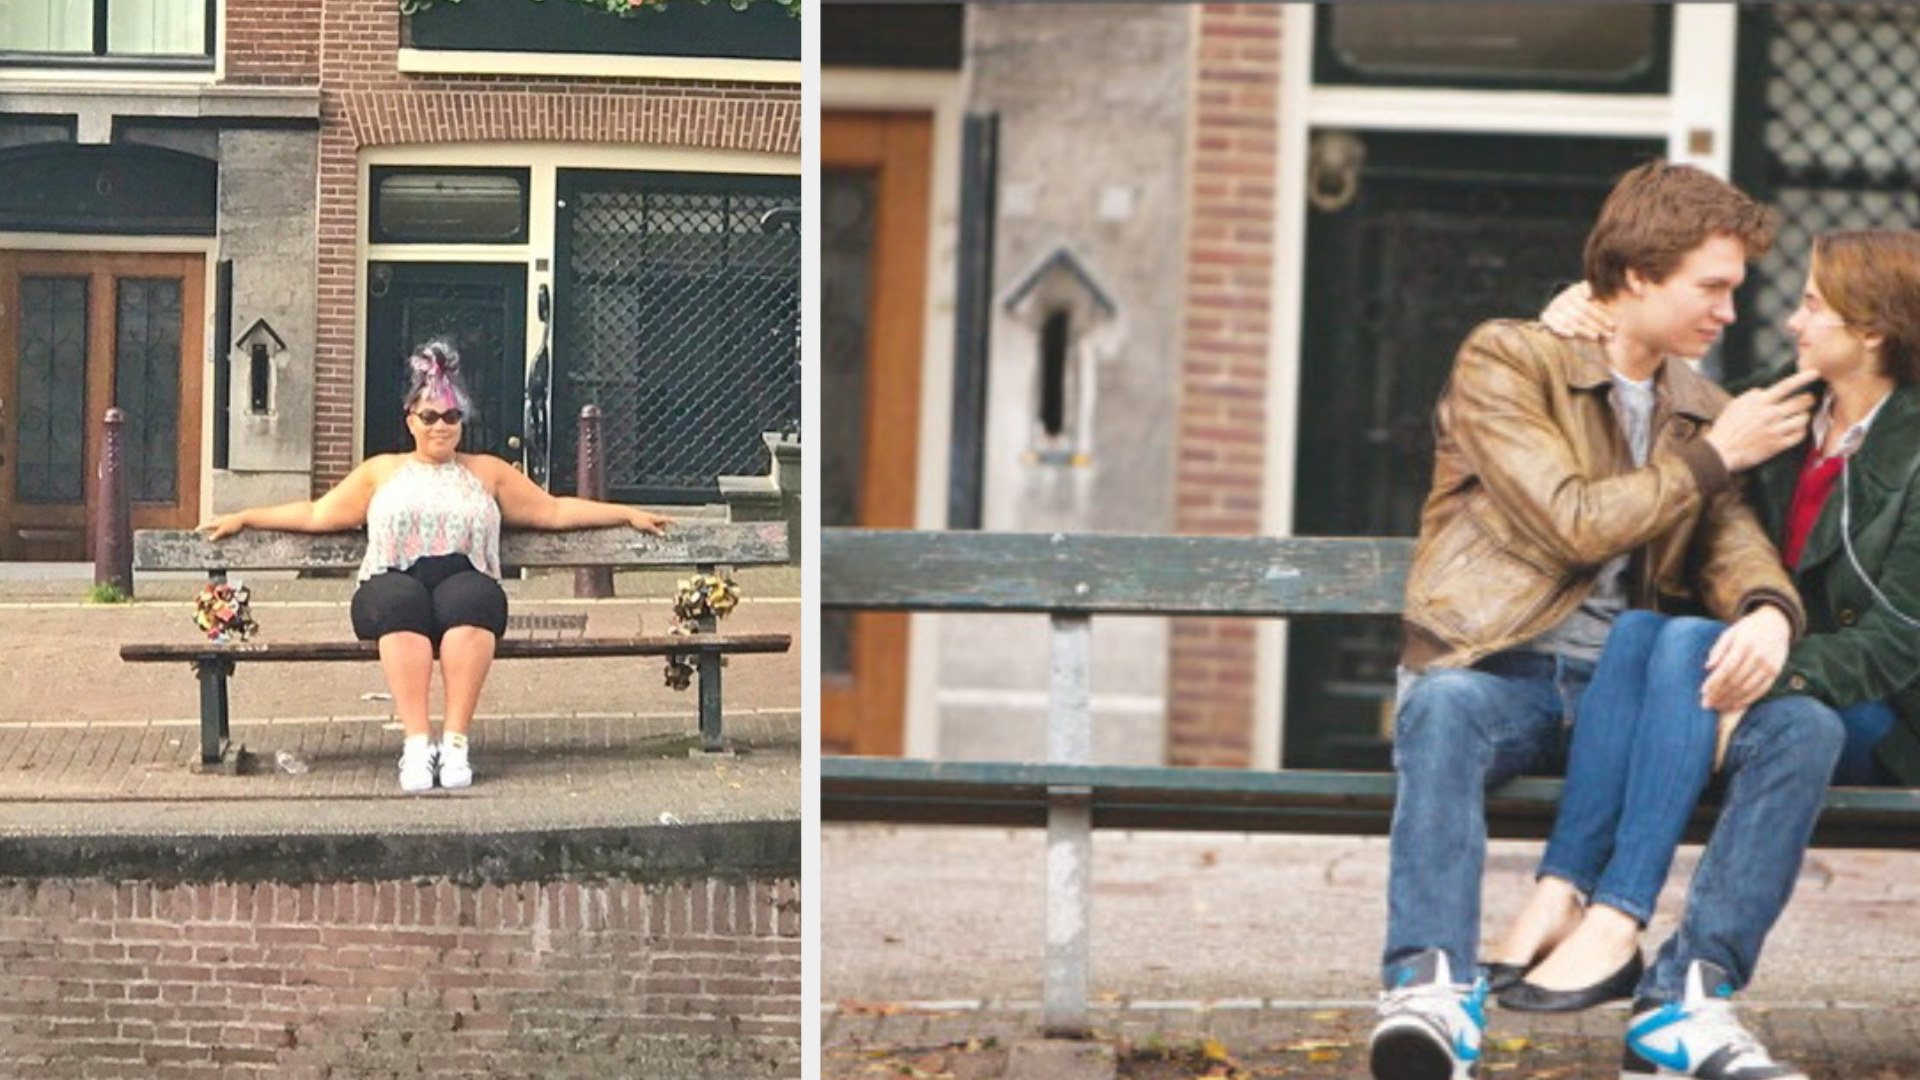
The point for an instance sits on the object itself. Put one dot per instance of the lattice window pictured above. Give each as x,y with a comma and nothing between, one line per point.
679,319
1835,132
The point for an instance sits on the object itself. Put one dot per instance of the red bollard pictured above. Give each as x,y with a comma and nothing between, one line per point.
113,514
594,582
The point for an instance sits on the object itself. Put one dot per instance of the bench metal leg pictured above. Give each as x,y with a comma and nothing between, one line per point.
710,739
1069,832
213,708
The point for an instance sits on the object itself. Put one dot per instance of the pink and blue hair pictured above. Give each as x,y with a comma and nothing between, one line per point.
435,378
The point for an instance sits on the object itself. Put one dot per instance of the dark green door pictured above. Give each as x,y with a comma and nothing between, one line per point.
1439,233
482,311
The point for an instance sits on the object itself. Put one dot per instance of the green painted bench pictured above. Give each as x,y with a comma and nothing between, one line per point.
704,547
1075,578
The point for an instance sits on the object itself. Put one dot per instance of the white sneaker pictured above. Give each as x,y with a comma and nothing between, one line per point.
455,770
417,761
1430,1026
1697,1036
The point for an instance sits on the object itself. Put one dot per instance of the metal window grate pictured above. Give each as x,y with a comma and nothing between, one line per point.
1830,138
679,319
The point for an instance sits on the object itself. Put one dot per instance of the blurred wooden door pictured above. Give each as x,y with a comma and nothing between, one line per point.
81,332
873,221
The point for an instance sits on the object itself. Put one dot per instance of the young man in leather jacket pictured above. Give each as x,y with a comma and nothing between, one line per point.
1574,480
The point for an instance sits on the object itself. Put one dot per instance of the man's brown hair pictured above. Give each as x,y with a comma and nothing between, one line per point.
1871,278
1658,213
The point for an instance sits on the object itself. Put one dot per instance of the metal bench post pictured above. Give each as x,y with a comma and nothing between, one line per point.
213,696
1069,830
213,708
710,715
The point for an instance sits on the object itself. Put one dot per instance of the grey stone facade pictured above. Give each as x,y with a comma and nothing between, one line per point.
268,229
1094,107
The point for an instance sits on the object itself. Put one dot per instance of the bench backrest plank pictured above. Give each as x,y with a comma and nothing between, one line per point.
1111,574
754,543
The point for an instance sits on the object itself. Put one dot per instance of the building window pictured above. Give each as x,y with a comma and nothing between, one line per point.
449,206
1610,47
759,31
162,33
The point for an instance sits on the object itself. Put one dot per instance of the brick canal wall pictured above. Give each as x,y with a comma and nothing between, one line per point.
670,953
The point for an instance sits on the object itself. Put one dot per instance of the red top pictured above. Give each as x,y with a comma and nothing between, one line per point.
1817,477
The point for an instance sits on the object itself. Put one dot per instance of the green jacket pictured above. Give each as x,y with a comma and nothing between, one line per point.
1855,650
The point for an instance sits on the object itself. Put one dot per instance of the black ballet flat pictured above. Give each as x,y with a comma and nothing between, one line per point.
1504,977
1619,986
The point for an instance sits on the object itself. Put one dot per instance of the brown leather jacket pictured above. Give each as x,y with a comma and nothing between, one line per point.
1534,490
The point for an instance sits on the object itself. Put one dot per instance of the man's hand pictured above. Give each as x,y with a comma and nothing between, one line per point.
1761,423
1746,659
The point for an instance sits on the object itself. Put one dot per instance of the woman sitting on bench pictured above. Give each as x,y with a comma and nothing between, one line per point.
1846,515
430,582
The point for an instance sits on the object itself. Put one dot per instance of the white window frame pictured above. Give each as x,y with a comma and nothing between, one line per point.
89,73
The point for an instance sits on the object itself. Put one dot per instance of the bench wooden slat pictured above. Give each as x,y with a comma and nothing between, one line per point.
748,543
507,648
1112,574
1159,797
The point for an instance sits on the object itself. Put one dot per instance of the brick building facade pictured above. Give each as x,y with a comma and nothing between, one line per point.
204,198
370,103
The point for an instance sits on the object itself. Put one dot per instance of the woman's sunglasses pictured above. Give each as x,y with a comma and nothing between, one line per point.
429,417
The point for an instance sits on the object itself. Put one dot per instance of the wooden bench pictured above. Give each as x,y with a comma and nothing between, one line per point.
1073,578
706,548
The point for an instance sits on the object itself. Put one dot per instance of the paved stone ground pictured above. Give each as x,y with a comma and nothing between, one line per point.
531,772
931,947
1247,1041
90,744
61,656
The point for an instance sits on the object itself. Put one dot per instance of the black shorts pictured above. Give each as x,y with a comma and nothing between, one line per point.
430,597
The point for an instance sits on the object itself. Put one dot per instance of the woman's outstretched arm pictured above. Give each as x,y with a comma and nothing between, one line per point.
345,507
523,503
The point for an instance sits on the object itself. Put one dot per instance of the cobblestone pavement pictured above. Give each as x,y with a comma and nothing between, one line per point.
931,953
90,744
59,658
531,772
1259,1039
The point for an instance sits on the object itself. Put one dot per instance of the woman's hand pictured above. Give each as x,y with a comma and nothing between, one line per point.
223,526
1746,659
1729,722
651,523
1573,314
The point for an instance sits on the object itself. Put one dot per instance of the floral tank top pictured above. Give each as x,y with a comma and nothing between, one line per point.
427,510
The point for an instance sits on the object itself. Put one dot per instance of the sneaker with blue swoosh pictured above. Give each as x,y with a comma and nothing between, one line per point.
1430,1026
1697,1036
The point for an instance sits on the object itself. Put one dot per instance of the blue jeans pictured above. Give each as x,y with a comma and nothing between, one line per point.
1642,754
1461,732
1867,723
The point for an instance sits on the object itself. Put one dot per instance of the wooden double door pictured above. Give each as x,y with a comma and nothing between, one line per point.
80,333
876,189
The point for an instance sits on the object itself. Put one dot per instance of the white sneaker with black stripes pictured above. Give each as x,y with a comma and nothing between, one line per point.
1430,1026
1697,1036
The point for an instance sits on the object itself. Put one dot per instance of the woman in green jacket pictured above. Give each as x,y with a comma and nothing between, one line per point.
1845,513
